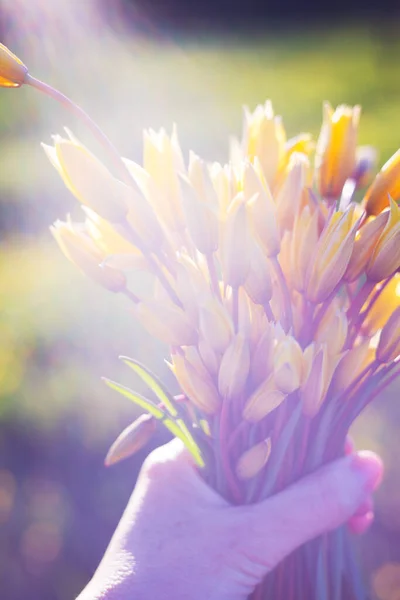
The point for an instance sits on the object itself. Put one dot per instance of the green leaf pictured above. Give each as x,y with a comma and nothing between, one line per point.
136,398
177,428
153,382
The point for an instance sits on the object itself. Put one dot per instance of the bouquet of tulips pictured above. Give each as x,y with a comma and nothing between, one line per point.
277,294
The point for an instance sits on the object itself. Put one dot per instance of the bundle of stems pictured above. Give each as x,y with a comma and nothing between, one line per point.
277,293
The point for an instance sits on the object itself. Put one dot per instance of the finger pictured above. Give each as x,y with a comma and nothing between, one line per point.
318,503
359,525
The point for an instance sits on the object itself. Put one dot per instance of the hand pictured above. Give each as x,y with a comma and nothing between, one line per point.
179,539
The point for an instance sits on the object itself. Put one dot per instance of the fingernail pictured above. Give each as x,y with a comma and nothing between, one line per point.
359,525
348,446
365,507
369,467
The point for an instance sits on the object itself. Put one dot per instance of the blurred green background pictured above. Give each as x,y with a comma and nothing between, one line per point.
59,333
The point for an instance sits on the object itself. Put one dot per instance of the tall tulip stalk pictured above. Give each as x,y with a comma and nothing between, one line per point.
277,294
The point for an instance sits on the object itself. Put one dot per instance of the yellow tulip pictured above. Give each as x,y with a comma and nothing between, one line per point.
351,364
162,161
389,342
263,400
216,325
385,185
387,301
201,218
288,197
321,366
132,439
13,72
87,178
258,284
385,259
261,209
364,245
288,365
199,388
80,249
234,368
253,460
335,158
303,243
265,138
235,246
332,330
332,255
167,322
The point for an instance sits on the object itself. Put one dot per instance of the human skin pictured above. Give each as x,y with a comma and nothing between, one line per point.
179,539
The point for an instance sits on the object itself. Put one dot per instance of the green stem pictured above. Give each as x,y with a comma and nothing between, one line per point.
101,137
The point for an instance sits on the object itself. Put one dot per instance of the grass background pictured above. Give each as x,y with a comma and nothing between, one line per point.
59,333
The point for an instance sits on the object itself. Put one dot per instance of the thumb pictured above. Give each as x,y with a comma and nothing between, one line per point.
318,503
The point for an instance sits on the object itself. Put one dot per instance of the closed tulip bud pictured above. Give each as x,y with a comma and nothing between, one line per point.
288,197
258,284
262,356
162,159
105,236
385,259
263,401
166,322
261,211
300,144
389,342
303,244
235,244
87,178
386,185
332,329
264,137
364,245
209,357
224,185
350,366
200,178
288,365
320,370
80,249
13,72
142,218
132,439
332,255
215,324
253,460
201,219
199,388
335,158
234,369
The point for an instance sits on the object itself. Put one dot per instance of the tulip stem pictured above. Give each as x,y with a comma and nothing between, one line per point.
236,494
100,136
128,233
374,298
131,296
268,312
360,298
